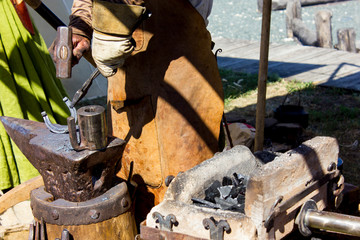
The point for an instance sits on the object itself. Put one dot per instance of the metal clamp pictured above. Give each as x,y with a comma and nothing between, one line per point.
57,128
216,228
273,212
111,204
165,223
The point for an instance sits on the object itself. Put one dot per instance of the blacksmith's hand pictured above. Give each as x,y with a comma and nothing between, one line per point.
113,25
81,45
109,52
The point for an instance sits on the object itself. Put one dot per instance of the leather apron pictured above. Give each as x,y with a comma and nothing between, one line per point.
167,99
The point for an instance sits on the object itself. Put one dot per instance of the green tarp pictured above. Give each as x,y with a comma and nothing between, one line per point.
28,86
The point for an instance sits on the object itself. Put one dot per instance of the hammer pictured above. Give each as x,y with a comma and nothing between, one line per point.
63,44
63,52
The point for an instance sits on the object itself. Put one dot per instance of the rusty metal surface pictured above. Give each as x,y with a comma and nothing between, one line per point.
61,212
149,233
93,130
67,174
63,52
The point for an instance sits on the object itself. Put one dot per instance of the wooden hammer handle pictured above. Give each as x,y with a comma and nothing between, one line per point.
33,3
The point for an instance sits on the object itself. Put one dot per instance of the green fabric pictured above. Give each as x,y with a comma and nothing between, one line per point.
28,86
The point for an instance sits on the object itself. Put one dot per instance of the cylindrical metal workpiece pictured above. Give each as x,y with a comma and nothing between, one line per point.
92,124
333,222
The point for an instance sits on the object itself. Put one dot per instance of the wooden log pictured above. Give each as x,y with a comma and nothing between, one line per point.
121,227
323,28
281,4
293,10
303,33
346,39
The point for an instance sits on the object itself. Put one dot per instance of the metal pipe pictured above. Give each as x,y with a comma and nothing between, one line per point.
333,222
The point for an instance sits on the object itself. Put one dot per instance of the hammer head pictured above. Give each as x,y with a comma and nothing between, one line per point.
63,52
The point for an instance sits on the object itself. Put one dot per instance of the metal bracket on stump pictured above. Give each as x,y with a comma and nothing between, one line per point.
216,228
165,223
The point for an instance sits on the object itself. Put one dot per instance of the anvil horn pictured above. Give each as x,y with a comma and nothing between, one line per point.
73,176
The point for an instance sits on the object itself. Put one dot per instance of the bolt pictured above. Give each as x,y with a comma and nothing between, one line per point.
331,167
168,180
55,214
94,214
124,202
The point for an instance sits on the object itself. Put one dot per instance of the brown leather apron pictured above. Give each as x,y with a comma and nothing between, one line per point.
167,100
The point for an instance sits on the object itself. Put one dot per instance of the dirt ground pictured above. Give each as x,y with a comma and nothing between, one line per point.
332,112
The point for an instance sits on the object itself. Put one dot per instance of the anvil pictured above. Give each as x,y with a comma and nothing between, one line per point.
67,174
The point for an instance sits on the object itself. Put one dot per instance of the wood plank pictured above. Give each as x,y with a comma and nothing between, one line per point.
20,193
251,49
303,63
230,45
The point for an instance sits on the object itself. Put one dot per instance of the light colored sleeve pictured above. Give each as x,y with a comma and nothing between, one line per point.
203,7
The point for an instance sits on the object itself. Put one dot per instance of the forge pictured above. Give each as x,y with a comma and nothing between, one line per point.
275,192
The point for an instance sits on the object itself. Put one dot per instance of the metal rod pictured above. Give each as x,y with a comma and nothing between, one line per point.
333,222
227,131
263,71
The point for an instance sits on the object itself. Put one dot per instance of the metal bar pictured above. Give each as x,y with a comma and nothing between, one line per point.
333,222
263,71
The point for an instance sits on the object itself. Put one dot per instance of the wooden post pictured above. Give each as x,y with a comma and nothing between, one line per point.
346,39
323,28
263,71
293,11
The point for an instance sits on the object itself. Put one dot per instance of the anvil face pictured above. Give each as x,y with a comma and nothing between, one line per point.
68,174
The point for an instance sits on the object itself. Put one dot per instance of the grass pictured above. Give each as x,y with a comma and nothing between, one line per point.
238,84
332,112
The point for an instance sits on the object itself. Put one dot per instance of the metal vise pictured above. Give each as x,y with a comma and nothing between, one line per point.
67,174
